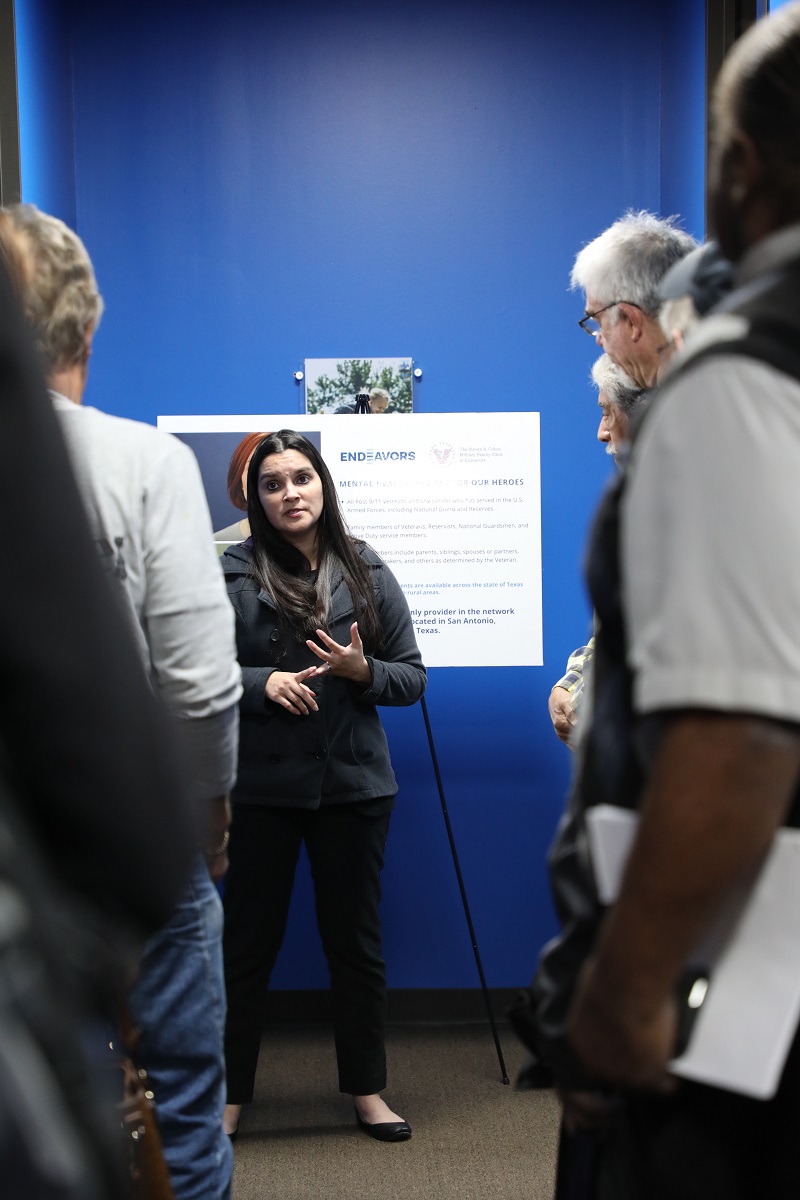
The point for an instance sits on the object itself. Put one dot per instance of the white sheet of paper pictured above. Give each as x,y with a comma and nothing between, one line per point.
746,1025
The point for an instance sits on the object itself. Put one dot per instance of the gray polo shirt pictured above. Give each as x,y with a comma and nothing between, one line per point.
147,509
711,535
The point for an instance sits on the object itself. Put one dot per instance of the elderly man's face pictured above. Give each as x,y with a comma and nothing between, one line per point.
378,404
614,426
614,336
626,347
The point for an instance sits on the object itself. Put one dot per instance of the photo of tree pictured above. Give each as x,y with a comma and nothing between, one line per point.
332,384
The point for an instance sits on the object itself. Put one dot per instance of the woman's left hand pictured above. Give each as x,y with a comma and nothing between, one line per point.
346,661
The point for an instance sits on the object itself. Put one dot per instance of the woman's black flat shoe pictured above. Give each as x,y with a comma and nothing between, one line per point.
387,1131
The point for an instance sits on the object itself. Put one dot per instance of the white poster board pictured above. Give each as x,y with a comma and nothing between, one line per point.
452,502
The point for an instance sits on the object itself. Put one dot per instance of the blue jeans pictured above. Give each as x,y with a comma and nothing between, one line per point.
178,1004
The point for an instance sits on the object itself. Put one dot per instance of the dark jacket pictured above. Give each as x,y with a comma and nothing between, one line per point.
339,754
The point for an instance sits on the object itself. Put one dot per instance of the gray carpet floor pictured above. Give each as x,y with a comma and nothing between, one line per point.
474,1138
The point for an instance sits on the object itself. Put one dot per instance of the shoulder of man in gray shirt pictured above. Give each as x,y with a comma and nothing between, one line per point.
148,512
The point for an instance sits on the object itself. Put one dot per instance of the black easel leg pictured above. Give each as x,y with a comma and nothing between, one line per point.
462,889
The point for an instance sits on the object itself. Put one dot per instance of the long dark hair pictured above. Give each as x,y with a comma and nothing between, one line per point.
281,569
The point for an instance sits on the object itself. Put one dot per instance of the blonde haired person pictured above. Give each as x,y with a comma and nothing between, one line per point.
151,527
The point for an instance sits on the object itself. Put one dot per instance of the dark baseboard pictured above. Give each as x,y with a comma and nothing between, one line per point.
429,1006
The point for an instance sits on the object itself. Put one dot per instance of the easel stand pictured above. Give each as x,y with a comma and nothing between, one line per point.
462,889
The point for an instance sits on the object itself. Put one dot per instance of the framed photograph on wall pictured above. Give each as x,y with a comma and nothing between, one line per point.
334,384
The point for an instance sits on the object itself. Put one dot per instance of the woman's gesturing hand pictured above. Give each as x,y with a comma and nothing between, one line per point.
288,690
346,661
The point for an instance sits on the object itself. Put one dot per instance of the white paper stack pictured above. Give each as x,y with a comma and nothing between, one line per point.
746,1024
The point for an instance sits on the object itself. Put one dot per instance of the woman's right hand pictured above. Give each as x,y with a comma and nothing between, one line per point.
289,691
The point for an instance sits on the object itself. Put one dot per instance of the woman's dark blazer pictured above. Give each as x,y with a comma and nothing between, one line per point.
339,754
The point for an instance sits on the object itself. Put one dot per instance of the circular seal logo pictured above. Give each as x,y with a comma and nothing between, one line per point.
442,453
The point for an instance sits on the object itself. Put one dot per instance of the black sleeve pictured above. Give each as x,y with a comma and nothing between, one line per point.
398,676
86,751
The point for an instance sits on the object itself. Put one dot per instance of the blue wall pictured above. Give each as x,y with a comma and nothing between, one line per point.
46,125
259,183
683,101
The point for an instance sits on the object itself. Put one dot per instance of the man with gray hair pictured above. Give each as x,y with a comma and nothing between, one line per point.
619,273
617,402
149,518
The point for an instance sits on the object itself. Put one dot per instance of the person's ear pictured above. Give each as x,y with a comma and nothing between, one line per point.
745,167
87,344
635,318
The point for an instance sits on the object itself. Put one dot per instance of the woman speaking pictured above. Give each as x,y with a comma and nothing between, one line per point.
324,635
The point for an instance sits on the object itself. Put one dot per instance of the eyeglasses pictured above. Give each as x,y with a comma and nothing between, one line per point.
588,323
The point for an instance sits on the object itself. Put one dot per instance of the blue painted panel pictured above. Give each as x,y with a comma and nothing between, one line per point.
683,130
263,182
44,74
